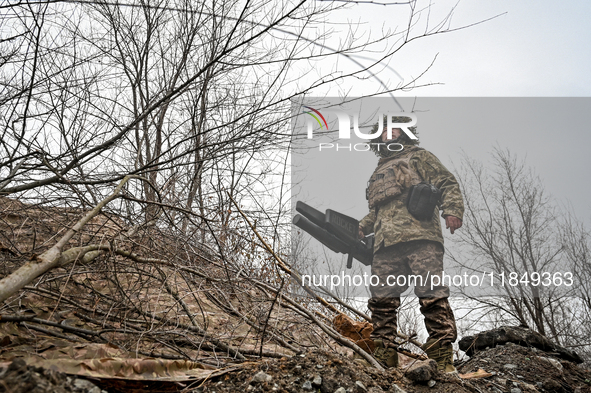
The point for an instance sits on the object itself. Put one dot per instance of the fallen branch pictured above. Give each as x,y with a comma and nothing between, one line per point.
51,258
196,329
78,331
49,332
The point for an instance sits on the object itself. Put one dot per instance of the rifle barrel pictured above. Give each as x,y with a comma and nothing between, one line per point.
316,216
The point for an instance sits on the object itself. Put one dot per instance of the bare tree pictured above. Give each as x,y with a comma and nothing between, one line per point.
513,229
189,103
576,243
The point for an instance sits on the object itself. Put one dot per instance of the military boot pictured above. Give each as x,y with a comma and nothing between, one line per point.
388,357
443,354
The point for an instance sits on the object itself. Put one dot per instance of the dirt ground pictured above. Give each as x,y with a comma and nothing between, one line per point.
315,372
527,369
514,369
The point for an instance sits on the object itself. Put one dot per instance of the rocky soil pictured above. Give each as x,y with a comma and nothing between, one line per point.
513,369
507,368
526,369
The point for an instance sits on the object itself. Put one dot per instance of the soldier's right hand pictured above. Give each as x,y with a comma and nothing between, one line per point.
361,234
453,223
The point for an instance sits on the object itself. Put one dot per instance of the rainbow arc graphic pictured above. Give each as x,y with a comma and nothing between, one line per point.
314,116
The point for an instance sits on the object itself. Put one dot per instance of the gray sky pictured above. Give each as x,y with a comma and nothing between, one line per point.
533,48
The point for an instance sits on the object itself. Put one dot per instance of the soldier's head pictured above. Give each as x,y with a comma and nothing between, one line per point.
396,133
379,144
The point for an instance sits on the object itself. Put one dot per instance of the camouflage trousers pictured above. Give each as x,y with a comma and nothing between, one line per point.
415,258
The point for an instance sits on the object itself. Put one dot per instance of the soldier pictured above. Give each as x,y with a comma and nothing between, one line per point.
407,244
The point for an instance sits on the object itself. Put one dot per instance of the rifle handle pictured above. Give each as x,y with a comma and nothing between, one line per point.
349,261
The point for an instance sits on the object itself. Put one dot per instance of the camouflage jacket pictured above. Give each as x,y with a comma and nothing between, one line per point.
393,224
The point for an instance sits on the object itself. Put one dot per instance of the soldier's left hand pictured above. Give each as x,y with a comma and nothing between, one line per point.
452,223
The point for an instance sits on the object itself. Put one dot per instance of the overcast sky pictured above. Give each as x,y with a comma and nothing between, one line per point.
533,48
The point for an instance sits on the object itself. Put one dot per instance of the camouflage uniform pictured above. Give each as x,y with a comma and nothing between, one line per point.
405,246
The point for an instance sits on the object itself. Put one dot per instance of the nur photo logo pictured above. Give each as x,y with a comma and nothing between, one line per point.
350,121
